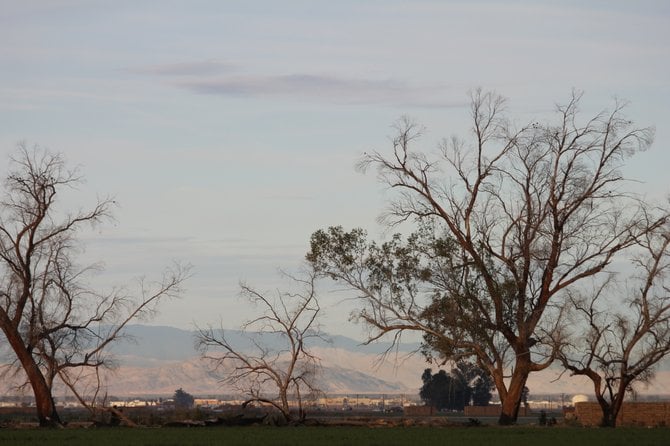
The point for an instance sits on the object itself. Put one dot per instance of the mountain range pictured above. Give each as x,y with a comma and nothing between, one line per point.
157,360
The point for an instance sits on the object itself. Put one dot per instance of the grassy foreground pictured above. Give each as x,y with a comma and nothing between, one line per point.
512,436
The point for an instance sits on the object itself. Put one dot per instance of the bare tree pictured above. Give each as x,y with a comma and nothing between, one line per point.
626,327
56,326
267,373
525,214
76,340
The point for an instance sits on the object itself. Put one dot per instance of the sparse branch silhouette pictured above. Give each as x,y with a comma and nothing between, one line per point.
510,221
56,326
272,374
622,329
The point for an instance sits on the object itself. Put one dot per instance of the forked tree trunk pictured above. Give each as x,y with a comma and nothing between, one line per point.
610,412
609,419
512,401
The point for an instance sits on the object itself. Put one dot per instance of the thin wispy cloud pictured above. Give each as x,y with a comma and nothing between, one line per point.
219,78
137,240
314,87
200,68
324,88
291,197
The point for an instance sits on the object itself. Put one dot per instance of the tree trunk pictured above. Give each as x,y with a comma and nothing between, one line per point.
609,420
285,408
610,409
512,400
44,402
610,412
46,406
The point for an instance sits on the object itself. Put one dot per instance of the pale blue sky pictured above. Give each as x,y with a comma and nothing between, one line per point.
228,130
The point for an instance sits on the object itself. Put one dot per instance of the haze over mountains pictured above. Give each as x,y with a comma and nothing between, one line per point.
158,359
162,359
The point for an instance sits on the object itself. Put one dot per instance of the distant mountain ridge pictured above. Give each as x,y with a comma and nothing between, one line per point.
146,344
160,359
163,342
163,357
156,360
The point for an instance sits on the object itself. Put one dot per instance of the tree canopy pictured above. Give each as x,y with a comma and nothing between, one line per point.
465,385
510,221
183,399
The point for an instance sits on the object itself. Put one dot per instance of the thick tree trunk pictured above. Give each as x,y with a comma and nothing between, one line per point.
610,412
609,420
610,409
512,400
44,402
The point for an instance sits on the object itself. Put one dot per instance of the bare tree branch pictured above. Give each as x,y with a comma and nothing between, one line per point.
288,369
56,327
620,346
527,214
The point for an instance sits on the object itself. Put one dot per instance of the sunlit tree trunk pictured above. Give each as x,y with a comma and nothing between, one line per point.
512,400
44,402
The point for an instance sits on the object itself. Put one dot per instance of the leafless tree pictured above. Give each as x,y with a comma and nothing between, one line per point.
526,213
76,349
278,361
626,327
56,326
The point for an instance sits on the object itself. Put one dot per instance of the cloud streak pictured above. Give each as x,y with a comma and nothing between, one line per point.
218,78
314,87
201,68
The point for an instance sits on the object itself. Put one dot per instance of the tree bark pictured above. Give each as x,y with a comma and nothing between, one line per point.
44,402
512,401
609,417
610,410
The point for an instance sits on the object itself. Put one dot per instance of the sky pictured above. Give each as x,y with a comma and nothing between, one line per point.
228,131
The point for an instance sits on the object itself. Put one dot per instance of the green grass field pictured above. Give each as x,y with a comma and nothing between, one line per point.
415,436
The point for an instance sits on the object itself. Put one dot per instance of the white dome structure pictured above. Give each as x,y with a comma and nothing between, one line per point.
579,399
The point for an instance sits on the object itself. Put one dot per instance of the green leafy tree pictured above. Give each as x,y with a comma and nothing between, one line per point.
477,380
516,218
525,395
436,389
182,399
465,384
